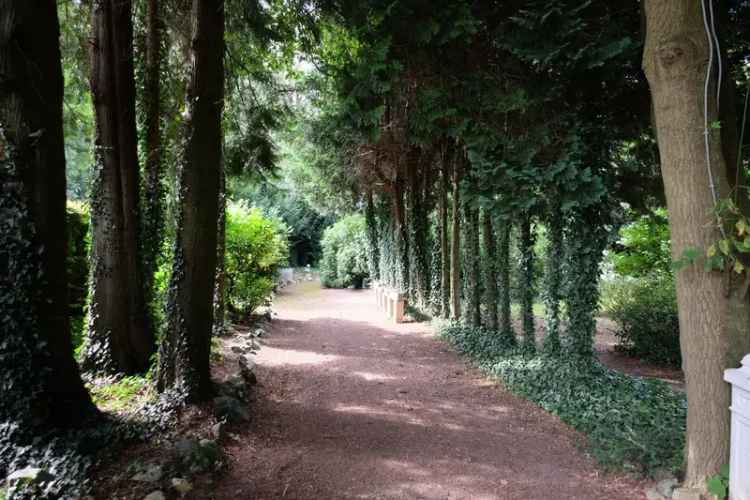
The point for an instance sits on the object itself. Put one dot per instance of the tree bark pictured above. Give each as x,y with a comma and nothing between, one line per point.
42,385
184,354
526,249
472,286
120,337
503,264
456,243
445,262
490,271
713,309
153,195
552,294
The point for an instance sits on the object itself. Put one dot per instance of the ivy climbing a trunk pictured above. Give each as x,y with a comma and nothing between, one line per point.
456,241
445,262
373,257
185,350
553,268
153,168
472,286
120,338
41,386
526,250
503,274
489,270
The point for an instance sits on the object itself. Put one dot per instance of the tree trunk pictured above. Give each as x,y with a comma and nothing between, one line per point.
184,355
526,249
472,287
373,257
713,309
221,239
120,337
503,273
445,262
153,186
490,271
42,386
552,293
401,237
418,234
456,244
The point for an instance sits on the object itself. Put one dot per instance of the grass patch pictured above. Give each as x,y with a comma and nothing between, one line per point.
120,394
632,424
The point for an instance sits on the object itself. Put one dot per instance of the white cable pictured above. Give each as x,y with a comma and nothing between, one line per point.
706,131
718,53
705,101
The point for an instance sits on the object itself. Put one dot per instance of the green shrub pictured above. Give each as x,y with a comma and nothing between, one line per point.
644,247
256,246
645,311
344,261
79,241
631,423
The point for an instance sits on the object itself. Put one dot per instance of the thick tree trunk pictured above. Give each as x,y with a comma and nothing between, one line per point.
120,337
418,234
713,309
456,244
472,286
526,249
503,274
184,354
489,270
153,195
41,383
445,262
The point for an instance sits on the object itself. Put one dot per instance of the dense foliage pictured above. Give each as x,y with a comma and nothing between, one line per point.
344,260
256,245
632,423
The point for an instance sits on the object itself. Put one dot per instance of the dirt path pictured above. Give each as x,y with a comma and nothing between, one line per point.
351,406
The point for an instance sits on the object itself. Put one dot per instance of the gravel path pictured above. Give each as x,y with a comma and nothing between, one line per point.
352,406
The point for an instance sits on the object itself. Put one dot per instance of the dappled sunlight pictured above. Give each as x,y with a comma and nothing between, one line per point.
270,356
373,376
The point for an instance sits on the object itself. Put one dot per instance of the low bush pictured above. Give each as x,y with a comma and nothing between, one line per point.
645,311
631,423
344,261
256,246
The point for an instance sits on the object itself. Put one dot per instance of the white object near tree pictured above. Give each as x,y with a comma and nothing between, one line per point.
739,461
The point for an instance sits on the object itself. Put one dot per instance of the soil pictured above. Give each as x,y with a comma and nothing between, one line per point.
351,406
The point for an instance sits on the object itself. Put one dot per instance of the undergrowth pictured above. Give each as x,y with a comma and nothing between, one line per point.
632,424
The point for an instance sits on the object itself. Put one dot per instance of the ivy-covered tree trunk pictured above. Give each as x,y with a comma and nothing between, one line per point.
585,244
503,274
184,354
153,190
41,386
373,251
472,285
221,278
401,238
714,312
418,234
552,292
489,270
526,250
445,261
120,337
456,243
